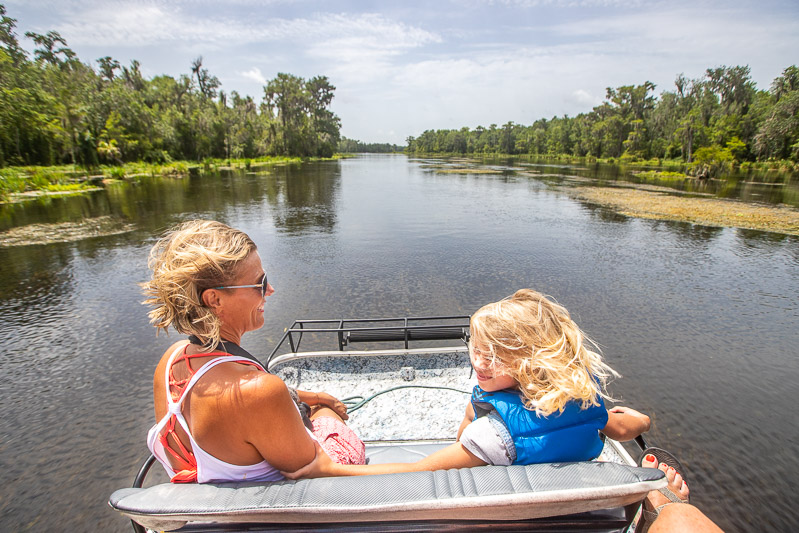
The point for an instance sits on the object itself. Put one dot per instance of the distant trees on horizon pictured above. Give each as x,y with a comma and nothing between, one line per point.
351,146
720,115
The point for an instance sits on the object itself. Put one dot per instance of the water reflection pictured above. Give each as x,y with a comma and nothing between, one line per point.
31,272
304,199
603,214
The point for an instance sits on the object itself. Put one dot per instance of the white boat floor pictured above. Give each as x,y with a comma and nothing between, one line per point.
410,412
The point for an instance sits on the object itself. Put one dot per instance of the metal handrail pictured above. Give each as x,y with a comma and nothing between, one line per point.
344,328
138,482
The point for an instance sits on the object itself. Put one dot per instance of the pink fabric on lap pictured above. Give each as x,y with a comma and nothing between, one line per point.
339,441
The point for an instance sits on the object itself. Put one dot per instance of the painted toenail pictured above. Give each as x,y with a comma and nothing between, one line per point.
650,458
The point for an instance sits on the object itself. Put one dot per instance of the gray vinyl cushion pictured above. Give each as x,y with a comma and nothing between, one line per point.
482,493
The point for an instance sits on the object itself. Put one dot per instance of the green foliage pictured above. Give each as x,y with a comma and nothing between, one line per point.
117,173
721,109
737,148
711,161
11,181
307,126
65,187
654,175
56,109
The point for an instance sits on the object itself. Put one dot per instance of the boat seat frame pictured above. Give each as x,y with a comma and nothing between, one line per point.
595,496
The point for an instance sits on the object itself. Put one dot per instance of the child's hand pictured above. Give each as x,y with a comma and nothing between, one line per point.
319,467
625,423
642,419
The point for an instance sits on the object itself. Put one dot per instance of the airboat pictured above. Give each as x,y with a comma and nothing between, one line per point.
401,378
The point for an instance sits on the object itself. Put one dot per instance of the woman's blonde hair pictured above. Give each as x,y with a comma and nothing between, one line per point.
534,340
192,257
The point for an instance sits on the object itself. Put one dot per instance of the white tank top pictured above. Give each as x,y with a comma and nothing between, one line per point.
209,468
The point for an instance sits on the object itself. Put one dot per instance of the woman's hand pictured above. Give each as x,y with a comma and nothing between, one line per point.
321,466
333,403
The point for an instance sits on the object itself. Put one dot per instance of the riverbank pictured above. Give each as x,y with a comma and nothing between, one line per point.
660,203
18,184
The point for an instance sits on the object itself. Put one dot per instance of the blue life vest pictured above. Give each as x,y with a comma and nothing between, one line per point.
572,435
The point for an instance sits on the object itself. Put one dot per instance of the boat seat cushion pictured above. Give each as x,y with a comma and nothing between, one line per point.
483,493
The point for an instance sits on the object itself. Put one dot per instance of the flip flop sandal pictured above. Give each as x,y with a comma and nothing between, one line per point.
664,457
647,517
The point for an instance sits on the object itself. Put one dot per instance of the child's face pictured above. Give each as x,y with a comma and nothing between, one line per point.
489,377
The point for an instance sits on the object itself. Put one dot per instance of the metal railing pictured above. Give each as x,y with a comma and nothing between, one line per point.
356,330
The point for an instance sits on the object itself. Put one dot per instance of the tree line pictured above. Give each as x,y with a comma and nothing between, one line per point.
720,116
352,146
56,109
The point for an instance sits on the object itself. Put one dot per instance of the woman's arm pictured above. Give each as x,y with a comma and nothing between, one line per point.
453,456
324,399
274,425
625,423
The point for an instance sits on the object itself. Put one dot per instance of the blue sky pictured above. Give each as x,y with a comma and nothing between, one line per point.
401,67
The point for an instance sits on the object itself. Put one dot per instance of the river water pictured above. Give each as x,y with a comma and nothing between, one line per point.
703,323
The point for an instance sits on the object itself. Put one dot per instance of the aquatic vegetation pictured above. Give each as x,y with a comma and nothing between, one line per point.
11,181
64,231
464,170
65,187
655,175
117,173
62,178
636,202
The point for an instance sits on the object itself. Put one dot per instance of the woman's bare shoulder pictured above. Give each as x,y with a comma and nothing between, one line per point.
159,370
264,391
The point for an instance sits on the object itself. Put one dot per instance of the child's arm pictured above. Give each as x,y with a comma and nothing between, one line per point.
453,456
467,419
323,399
625,423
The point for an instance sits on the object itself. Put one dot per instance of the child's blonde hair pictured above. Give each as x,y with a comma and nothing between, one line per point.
195,256
534,340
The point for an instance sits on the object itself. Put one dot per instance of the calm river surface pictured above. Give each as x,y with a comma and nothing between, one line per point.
703,323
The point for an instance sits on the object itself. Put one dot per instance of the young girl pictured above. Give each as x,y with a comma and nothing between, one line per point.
539,396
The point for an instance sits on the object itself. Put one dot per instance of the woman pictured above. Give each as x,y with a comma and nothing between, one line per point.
221,416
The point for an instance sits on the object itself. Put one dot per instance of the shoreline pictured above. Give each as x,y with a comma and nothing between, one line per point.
662,204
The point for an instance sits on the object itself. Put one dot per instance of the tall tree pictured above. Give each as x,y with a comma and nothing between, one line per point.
208,84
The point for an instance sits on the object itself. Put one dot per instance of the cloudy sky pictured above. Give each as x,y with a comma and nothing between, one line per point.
404,66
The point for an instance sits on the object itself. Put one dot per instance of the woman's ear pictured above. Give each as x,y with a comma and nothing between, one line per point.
210,298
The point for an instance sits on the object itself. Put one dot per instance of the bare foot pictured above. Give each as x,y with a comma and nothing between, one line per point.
676,484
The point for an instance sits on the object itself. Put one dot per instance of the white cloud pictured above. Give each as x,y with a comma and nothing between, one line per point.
255,75
137,25
323,35
584,99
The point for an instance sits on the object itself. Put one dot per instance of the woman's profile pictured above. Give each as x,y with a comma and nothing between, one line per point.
220,416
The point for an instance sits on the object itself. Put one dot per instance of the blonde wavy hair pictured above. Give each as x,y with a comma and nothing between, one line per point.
190,258
534,340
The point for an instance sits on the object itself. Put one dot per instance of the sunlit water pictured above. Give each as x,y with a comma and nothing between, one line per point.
703,323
